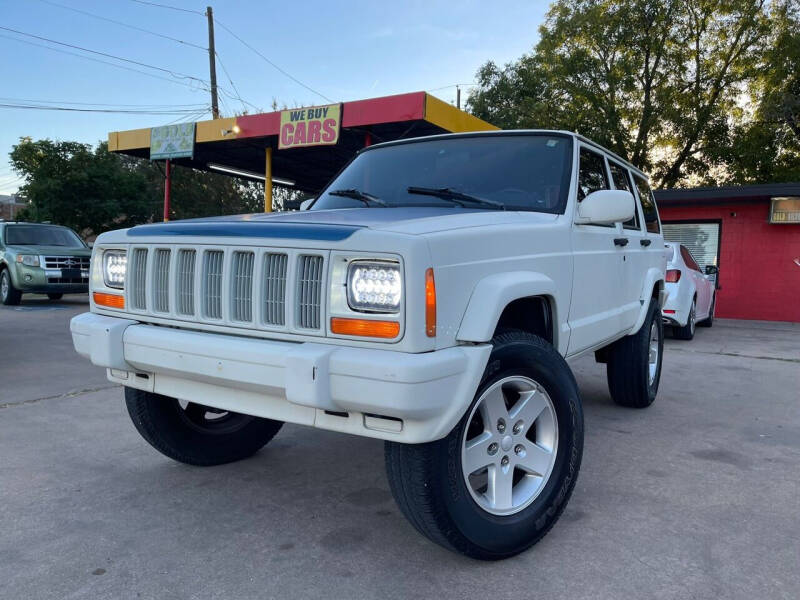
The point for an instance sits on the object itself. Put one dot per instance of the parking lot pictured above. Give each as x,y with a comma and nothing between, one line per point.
696,497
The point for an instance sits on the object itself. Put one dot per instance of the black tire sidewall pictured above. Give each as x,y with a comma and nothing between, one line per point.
506,535
654,315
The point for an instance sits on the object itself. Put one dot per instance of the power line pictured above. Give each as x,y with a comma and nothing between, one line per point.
98,110
105,62
233,85
186,10
128,60
94,16
268,61
196,105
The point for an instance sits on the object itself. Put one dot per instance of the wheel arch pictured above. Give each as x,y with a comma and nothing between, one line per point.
517,299
653,289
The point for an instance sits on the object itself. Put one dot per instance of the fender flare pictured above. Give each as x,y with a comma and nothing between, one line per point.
653,278
493,293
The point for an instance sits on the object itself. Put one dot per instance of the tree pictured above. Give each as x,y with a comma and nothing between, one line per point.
94,190
656,81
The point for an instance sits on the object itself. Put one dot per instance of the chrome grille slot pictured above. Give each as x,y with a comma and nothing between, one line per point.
309,291
137,279
242,286
66,262
212,283
184,289
274,289
161,280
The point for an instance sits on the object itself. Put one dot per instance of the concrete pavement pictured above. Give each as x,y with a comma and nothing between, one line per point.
695,497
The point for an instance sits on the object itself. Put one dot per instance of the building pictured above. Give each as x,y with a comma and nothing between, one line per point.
752,233
10,206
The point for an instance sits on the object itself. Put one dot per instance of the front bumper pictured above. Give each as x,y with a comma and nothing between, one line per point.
38,280
397,396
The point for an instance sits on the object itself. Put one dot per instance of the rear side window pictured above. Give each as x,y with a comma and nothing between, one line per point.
689,259
648,203
622,181
592,174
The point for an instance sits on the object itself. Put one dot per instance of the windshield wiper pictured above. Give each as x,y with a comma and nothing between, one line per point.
454,196
365,197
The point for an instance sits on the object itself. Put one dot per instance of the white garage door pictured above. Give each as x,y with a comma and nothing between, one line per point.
702,240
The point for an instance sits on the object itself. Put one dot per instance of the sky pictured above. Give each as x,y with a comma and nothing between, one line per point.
338,51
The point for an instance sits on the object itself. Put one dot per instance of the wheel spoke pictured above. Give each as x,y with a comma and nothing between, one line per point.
476,453
500,487
528,408
536,460
493,408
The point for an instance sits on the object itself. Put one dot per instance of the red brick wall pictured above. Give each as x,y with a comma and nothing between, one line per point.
758,273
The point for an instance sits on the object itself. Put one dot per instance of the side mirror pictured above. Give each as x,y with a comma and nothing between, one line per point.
604,207
711,270
306,203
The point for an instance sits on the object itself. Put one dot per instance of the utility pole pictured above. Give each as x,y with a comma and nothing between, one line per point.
458,97
212,63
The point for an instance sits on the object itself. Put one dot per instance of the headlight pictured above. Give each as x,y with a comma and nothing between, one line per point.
115,263
374,286
29,260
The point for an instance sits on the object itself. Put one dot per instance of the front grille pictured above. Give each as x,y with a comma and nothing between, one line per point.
242,286
185,282
212,284
161,280
280,290
309,291
137,280
84,280
274,289
66,262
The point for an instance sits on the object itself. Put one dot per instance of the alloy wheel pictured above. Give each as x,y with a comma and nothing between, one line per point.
509,446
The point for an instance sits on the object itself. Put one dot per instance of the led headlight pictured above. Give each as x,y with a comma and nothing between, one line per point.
29,260
115,263
374,286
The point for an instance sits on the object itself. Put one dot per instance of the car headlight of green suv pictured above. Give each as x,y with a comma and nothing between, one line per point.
29,260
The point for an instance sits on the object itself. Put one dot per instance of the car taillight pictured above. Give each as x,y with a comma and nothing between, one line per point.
673,275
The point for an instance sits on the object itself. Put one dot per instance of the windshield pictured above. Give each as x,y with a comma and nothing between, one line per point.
42,235
511,172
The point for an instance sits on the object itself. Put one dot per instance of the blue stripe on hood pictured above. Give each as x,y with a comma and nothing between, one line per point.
298,231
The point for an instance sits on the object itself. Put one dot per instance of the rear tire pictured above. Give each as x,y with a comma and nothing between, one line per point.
709,322
189,435
687,331
476,513
55,296
634,363
9,295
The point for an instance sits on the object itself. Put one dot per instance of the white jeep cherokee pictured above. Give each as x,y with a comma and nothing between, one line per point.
429,298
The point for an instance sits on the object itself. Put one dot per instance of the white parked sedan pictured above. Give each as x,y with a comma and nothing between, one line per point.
691,293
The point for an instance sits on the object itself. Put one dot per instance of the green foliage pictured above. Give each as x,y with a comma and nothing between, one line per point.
666,84
93,190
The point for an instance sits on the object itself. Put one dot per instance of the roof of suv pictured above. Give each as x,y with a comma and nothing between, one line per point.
504,132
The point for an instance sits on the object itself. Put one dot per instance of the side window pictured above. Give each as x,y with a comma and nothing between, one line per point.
592,174
689,259
622,181
648,206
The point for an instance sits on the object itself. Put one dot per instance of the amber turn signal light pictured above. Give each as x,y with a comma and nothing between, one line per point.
430,304
365,328
109,300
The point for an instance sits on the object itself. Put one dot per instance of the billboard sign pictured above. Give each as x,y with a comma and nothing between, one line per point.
313,126
172,141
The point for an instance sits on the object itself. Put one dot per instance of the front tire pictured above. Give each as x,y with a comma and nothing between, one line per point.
9,295
499,481
634,362
195,434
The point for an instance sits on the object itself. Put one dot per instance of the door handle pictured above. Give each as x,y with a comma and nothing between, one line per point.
644,242
620,241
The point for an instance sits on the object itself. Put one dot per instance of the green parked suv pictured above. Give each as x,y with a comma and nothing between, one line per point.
41,259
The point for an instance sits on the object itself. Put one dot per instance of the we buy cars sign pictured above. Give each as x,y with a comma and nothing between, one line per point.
313,126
